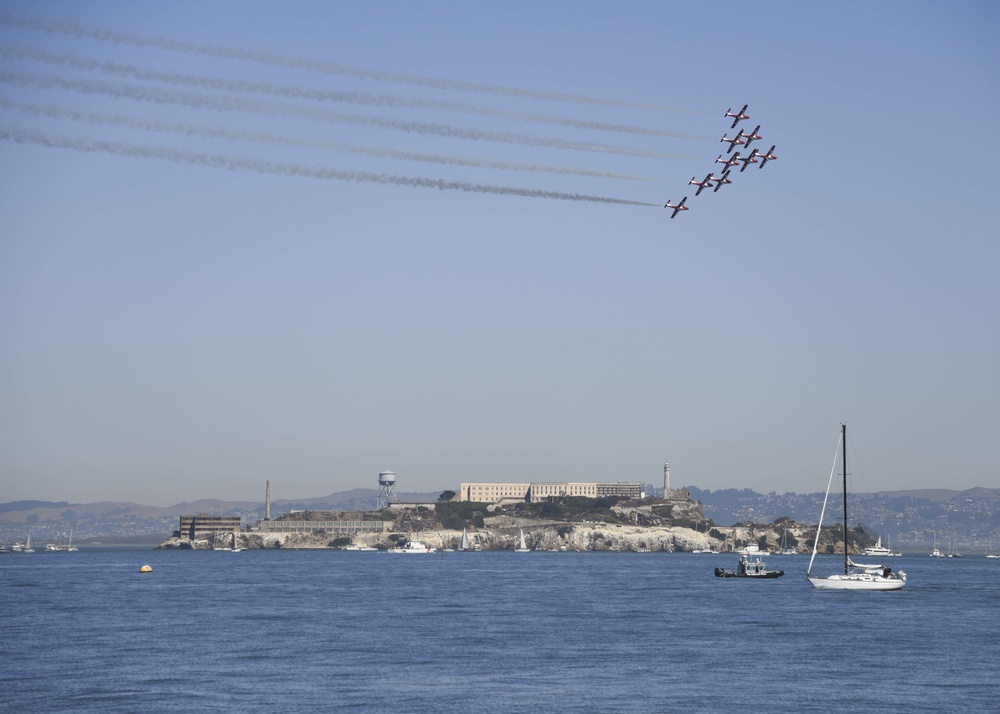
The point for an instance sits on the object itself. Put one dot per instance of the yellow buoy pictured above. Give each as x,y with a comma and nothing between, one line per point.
146,569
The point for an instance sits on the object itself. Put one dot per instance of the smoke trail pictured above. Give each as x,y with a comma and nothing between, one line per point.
233,104
285,169
234,135
128,38
362,98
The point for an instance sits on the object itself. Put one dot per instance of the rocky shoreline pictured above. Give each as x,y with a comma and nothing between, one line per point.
545,537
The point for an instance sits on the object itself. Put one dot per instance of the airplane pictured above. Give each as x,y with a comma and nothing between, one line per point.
703,184
721,180
730,162
751,159
734,142
769,156
751,136
741,114
678,207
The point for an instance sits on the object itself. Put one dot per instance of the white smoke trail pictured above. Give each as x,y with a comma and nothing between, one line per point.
234,135
362,98
128,38
287,169
233,104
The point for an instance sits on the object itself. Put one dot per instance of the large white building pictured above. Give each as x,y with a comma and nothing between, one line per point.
536,492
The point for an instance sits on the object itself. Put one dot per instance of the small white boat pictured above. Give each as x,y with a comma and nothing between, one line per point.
866,577
353,546
751,549
27,546
935,553
413,546
523,547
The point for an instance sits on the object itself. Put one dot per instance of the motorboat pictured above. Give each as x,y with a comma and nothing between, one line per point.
750,566
413,546
879,551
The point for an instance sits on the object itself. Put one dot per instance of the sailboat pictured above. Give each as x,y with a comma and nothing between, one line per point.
785,549
236,545
464,545
935,553
953,553
523,548
856,578
27,545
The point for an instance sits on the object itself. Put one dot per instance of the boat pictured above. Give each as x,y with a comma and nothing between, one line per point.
751,549
935,553
750,566
27,546
953,553
354,546
236,546
70,548
523,547
215,543
413,546
853,578
464,544
878,550
784,548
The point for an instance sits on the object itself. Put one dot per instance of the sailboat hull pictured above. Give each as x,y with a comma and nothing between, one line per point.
857,581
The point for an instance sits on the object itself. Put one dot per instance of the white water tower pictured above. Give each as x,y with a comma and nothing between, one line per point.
386,490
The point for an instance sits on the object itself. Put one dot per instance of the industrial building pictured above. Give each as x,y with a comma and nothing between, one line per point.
206,526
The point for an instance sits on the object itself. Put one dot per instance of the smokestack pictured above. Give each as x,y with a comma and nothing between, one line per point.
267,502
666,481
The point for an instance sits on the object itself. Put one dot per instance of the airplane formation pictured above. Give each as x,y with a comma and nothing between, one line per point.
742,139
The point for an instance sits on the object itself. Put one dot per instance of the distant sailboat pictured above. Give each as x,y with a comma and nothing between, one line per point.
524,548
236,545
464,545
27,545
935,553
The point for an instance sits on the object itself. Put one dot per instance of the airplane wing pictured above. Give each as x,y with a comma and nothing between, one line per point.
676,211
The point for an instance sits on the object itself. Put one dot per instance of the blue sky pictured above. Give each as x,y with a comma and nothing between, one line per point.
174,330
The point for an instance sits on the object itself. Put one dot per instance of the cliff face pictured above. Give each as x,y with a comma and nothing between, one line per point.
563,536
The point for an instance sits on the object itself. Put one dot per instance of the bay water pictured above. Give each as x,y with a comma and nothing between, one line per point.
328,630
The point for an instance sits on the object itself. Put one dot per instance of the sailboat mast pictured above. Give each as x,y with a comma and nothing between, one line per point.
843,438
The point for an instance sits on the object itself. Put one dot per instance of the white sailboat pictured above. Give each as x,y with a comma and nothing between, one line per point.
27,546
523,548
464,544
236,546
866,577
935,553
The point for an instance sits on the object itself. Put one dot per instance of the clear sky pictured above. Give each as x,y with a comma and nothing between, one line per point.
244,241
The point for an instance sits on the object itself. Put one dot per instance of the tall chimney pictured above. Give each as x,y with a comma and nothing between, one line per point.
666,481
267,502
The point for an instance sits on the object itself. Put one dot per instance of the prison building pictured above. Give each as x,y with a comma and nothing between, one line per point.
543,491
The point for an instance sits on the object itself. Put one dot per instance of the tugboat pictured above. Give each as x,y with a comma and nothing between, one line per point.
750,567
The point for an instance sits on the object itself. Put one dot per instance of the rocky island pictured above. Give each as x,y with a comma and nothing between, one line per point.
571,524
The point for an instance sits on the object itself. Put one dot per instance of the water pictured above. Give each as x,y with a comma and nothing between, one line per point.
268,631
